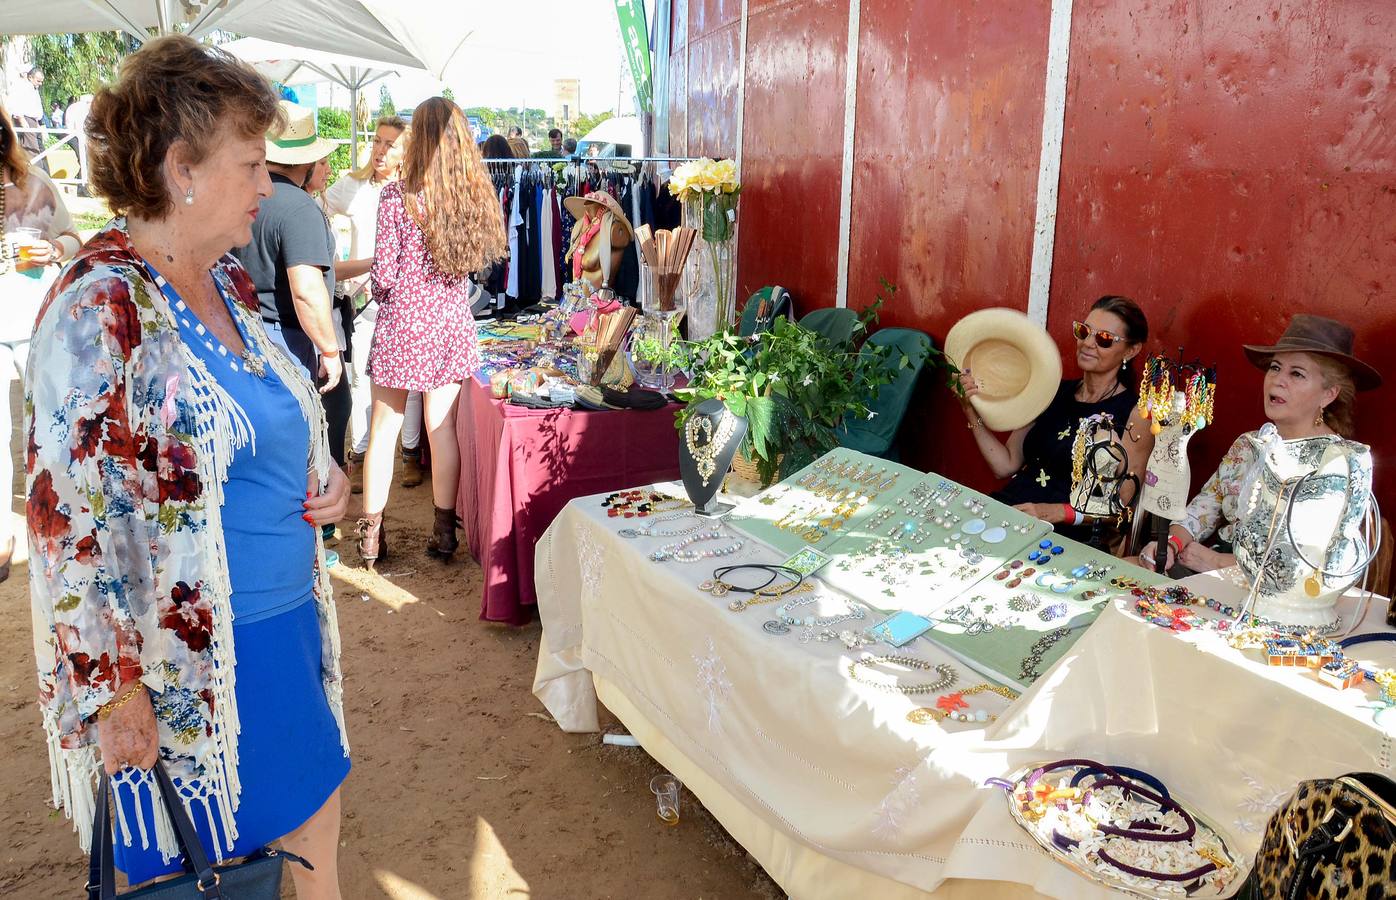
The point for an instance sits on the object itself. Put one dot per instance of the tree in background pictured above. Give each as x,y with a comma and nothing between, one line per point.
584,124
449,95
334,123
386,107
75,64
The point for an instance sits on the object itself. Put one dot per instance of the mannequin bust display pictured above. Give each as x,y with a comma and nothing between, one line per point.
598,240
710,439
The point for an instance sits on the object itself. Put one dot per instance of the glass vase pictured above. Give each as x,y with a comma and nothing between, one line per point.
652,336
710,274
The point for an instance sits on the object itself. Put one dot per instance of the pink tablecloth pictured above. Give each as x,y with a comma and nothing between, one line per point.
520,467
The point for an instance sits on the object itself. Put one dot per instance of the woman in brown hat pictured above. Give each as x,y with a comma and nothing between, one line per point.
1311,381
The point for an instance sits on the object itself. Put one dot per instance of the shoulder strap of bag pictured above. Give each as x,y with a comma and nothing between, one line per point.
101,880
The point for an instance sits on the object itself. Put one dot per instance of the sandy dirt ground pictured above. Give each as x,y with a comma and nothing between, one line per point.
461,786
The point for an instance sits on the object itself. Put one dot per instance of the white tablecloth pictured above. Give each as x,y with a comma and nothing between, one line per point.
830,787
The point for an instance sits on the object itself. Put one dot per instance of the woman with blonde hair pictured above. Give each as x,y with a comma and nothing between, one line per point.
436,226
28,200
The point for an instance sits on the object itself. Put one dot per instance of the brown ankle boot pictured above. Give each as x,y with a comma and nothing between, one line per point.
443,541
355,470
373,540
412,473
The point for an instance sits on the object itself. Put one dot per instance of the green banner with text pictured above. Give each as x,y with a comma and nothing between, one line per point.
635,35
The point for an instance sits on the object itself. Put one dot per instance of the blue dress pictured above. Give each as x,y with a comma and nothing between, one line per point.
290,756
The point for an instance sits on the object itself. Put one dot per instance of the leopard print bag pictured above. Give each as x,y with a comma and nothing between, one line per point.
1335,839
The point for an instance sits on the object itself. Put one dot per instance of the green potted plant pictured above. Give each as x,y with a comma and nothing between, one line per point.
793,385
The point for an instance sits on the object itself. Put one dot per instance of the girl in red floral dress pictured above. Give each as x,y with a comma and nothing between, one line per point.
437,225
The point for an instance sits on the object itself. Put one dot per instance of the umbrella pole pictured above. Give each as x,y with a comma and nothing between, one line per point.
354,127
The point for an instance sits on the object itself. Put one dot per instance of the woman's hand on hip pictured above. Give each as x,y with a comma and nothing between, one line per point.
329,507
129,736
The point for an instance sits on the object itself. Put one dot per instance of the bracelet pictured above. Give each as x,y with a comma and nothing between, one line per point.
1176,543
947,673
104,712
1072,516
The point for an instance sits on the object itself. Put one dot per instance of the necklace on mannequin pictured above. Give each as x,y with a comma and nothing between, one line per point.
705,454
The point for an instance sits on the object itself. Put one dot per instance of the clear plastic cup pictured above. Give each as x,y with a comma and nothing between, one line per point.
666,790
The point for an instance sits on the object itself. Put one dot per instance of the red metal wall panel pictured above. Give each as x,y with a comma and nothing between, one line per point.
1227,166
678,79
712,92
945,177
793,146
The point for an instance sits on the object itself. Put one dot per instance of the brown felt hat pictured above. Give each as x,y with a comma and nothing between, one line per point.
1322,337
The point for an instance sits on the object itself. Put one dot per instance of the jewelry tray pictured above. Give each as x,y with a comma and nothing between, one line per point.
1117,880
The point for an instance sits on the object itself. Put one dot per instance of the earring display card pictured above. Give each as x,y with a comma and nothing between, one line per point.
927,545
1025,614
818,505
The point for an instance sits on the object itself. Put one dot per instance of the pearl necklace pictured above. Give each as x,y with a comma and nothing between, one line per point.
651,531
679,550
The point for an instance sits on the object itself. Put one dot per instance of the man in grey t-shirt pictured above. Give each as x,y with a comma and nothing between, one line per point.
291,257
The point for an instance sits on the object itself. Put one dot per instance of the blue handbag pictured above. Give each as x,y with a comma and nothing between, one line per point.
258,877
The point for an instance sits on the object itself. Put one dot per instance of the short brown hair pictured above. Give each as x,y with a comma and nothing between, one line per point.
172,89
1340,415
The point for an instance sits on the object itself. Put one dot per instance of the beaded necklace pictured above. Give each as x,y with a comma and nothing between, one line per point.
948,675
953,706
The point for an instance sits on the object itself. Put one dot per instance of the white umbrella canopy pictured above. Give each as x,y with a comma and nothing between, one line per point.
300,65
418,33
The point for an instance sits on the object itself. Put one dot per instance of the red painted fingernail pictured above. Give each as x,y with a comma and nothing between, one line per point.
308,519
309,494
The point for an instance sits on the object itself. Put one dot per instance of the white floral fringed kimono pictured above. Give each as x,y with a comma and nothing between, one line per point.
129,443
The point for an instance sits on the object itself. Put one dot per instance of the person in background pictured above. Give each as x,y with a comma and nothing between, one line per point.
337,402
26,108
515,131
554,151
54,119
291,256
438,224
520,147
1036,459
177,468
31,200
1309,391
569,147
496,147
355,197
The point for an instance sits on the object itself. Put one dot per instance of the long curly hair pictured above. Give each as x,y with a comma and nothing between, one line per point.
460,213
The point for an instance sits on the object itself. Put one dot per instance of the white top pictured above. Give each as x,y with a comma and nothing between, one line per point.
23,100
358,202
76,115
39,205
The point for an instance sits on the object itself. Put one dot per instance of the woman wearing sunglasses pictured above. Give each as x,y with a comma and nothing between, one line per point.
1037,457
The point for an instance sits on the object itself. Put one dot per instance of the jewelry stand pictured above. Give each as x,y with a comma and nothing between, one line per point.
711,436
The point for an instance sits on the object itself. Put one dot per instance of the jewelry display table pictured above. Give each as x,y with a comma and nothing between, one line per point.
818,771
520,466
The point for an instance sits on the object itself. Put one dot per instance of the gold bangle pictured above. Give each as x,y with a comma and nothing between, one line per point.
104,712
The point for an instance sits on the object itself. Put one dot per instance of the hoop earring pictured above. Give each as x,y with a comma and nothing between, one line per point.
189,197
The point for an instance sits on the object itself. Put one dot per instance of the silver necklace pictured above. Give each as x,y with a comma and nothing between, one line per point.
948,675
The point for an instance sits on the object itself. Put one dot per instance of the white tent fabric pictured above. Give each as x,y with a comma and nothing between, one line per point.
298,65
420,33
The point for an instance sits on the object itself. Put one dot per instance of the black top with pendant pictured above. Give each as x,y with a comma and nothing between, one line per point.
1046,473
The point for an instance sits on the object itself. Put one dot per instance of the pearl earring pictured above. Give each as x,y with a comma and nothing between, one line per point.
189,197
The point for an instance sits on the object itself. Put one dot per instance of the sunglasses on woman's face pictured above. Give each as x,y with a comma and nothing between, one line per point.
1103,339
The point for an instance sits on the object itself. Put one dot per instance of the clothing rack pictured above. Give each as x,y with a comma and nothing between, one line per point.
578,160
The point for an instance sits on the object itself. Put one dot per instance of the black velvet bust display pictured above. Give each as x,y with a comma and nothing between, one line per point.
700,490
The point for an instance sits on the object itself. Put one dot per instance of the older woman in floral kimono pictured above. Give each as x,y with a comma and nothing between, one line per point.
178,473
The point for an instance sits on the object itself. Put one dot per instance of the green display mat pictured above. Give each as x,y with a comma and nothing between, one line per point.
757,516
920,545
1016,633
